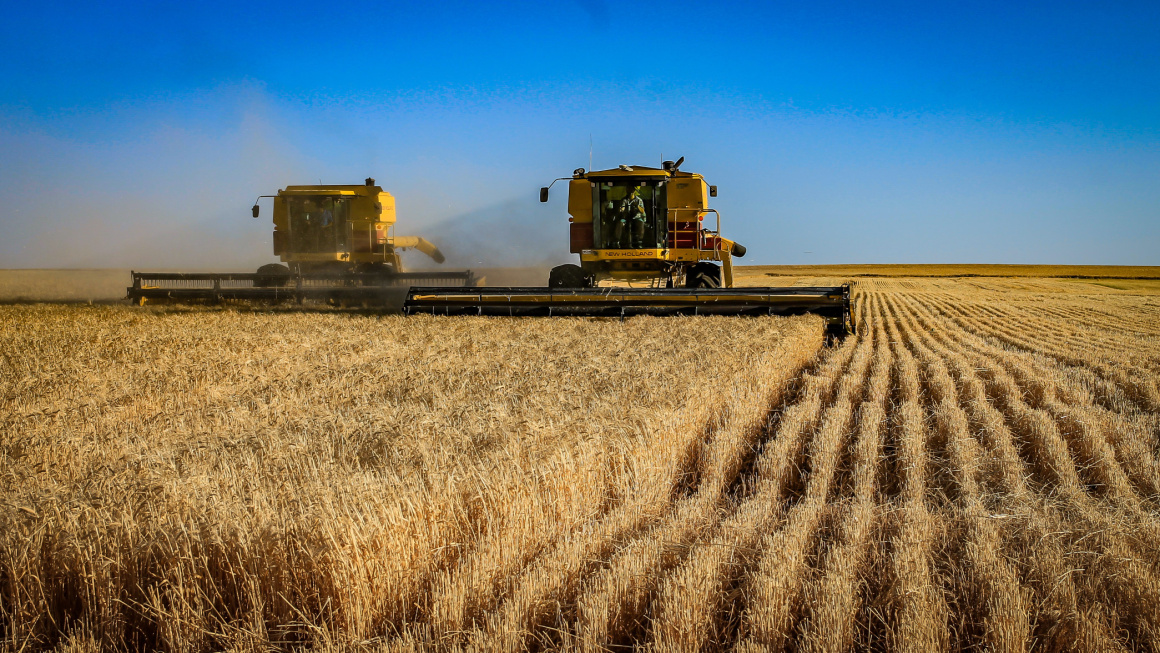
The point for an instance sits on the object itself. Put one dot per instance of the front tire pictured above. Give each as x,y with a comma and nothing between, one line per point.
568,275
703,275
272,275
378,274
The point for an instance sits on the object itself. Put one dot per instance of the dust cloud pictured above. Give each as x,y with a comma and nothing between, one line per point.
164,197
514,242
174,194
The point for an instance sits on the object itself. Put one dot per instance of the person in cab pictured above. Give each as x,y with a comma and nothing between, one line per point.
635,217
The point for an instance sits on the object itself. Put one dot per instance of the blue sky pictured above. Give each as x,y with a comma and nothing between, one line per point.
903,132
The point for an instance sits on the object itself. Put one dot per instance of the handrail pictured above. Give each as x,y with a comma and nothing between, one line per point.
699,230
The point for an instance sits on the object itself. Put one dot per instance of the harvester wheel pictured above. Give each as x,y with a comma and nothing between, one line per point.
381,274
703,275
568,275
272,275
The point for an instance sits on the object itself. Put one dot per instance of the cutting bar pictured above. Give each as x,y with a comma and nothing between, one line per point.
341,287
831,302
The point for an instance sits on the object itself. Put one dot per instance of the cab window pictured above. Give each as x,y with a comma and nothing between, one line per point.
629,214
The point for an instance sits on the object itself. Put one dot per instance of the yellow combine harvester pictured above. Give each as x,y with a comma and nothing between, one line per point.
635,225
639,224
336,242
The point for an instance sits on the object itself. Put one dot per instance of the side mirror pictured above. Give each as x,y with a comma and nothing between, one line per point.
544,194
255,210
712,191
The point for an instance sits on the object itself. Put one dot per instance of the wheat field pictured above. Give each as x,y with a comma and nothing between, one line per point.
977,469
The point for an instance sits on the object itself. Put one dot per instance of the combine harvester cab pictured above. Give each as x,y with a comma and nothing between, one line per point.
644,230
335,243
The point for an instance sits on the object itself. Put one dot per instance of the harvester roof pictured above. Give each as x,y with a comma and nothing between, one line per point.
638,172
332,189
630,171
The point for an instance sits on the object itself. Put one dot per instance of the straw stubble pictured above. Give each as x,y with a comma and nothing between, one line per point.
978,468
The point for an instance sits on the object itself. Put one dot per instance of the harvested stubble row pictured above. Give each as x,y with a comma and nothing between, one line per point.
1122,379
198,479
978,469
1064,511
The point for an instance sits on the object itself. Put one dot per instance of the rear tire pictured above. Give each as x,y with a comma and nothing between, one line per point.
272,275
568,275
703,275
